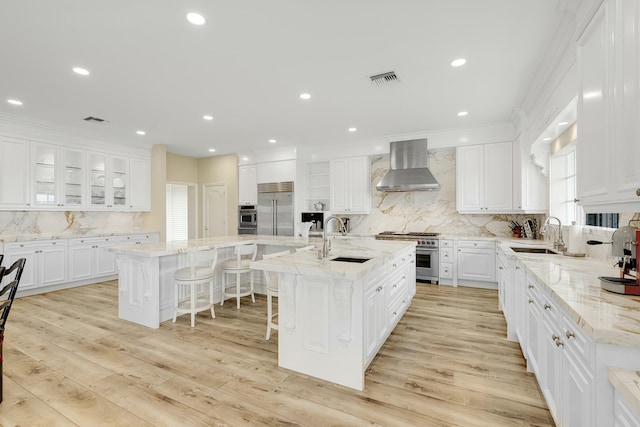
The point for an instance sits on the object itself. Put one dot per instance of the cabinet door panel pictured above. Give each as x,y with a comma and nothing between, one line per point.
338,190
498,182
359,184
53,264
476,264
30,272
80,261
593,110
14,173
139,184
577,384
105,260
470,178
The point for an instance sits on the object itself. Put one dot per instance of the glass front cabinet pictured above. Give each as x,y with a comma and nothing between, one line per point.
108,178
59,177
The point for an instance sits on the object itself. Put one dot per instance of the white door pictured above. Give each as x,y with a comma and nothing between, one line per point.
215,210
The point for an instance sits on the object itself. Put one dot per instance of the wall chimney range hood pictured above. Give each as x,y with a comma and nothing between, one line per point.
409,168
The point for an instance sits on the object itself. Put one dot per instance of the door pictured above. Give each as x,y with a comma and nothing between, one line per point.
284,214
266,205
215,210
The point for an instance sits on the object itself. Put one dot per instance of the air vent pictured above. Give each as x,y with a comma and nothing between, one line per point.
94,119
384,78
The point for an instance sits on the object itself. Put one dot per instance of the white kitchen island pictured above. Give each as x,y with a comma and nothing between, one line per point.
333,316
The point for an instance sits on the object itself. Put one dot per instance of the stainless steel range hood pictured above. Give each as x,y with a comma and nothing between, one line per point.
409,168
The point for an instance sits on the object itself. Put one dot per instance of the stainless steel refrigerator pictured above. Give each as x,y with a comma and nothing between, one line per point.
275,209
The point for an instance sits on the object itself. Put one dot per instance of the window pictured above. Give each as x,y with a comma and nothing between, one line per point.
609,220
177,212
562,186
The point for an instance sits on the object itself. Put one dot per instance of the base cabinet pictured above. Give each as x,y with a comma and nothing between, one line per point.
46,262
476,261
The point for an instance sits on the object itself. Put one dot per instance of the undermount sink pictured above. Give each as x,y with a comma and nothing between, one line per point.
350,259
535,251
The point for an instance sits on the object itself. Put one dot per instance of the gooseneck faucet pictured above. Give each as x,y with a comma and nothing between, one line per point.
558,243
326,244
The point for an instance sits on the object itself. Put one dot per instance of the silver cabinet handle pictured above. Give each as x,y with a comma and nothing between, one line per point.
547,307
530,301
570,335
559,343
530,286
555,337
638,192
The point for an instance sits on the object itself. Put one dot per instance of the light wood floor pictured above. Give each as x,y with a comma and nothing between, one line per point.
69,360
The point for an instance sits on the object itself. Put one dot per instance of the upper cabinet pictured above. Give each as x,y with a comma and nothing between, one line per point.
529,184
247,185
608,109
484,178
38,176
14,174
58,177
318,185
350,185
109,179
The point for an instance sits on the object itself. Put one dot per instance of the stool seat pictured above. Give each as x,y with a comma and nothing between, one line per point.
232,264
200,273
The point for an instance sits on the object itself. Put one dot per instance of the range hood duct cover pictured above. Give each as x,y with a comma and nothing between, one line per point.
409,168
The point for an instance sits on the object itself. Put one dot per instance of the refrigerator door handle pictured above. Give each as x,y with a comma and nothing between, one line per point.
275,218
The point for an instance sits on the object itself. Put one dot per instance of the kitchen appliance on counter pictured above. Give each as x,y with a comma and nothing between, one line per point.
317,222
247,219
275,209
624,245
427,258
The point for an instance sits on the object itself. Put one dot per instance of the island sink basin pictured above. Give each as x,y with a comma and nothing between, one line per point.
350,259
535,251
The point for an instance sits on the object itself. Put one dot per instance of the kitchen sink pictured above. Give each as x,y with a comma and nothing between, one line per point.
535,251
350,259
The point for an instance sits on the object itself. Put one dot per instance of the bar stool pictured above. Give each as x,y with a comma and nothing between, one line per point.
271,280
190,296
245,255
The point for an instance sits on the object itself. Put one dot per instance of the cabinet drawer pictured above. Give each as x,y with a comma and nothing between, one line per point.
398,285
397,307
446,243
446,270
446,255
480,244
576,341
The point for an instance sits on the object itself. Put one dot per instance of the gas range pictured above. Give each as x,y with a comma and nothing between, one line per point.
423,239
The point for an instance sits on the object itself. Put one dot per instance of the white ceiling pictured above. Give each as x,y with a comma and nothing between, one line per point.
152,70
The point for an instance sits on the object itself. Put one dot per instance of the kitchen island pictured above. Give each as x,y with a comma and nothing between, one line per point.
334,316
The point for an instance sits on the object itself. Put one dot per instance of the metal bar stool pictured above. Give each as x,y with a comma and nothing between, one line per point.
190,295
6,301
245,255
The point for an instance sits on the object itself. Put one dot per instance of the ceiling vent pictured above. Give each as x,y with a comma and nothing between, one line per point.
94,119
384,78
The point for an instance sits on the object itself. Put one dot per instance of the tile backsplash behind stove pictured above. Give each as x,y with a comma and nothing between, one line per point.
428,210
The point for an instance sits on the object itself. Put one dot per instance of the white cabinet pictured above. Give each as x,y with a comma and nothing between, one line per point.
608,176
88,257
139,184
350,185
529,184
45,265
109,181
376,324
14,173
476,261
446,271
59,177
625,416
247,185
277,171
484,178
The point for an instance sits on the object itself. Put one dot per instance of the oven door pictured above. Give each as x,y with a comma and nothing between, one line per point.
247,219
427,264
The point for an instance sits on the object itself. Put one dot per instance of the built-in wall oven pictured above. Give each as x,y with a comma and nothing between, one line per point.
427,258
247,219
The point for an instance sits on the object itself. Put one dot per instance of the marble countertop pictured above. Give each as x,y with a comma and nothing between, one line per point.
627,383
74,235
379,252
573,283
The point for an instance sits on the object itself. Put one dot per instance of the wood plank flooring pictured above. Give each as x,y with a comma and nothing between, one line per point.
69,360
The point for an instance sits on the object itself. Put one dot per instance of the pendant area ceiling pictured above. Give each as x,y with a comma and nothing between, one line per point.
152,70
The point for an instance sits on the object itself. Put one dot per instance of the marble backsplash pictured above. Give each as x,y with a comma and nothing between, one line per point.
433,211
68,223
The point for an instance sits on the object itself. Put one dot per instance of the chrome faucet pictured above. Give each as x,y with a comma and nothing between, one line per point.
558,243
326,244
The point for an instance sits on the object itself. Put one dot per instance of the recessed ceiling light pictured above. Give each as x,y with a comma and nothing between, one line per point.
462,113
352,129
563,123
81,71
546,139
14,102
458,62
141,132
305,96
212,150
196,18
272,141
245,158
207,117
